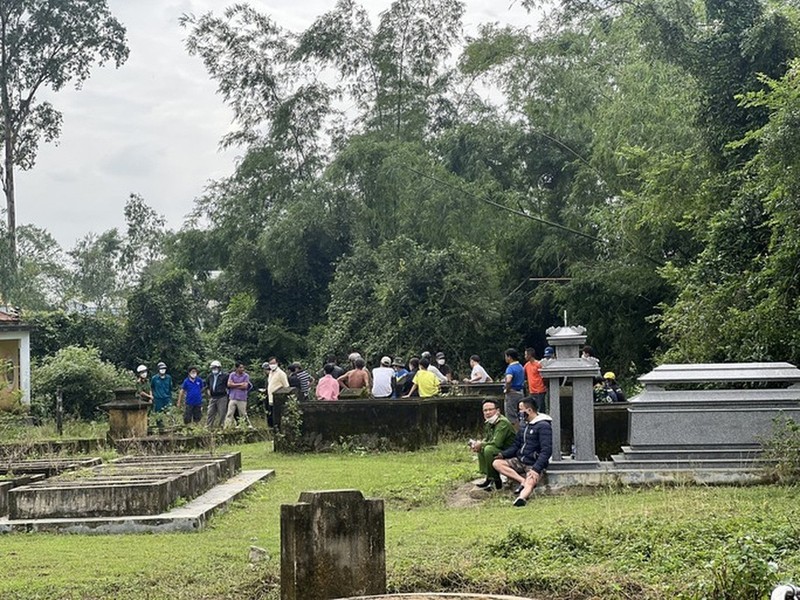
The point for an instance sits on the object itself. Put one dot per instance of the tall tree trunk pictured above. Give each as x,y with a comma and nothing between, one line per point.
8,159
11,207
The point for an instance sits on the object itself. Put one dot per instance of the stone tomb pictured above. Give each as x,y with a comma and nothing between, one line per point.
708,415
16,473
135,494
128,486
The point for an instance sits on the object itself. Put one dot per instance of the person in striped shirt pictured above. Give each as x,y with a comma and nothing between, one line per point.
300,379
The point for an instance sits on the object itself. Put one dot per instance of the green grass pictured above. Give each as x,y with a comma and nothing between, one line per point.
686,542
12,429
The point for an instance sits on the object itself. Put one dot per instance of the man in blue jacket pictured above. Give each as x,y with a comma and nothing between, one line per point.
525,460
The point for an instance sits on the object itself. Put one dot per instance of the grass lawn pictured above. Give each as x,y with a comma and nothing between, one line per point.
684,542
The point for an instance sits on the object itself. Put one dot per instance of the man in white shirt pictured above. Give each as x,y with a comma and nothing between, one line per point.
479,374
276,378
382,379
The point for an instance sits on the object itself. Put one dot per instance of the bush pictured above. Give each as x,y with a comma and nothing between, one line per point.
85,379
289,438
783,448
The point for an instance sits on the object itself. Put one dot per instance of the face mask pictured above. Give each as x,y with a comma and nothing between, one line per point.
440,361
492,420
523,416
215,370
143,375
272,367
162,371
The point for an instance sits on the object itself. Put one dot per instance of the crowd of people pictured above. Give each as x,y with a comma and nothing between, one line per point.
517,441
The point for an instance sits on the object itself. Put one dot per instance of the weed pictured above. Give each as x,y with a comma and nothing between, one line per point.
783,448
290,437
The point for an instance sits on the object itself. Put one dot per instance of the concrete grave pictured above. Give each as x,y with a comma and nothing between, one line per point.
133,494
708,415
332,545
128,486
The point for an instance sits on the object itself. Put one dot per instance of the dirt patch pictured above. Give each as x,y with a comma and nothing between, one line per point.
467,495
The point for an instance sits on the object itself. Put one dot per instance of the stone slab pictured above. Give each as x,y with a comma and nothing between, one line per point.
706,425
191,517
722,373
608,476
47,466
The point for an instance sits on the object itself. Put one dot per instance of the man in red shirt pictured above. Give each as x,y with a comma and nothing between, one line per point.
536,386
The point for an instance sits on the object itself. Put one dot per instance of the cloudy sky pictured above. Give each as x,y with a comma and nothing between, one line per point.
153,126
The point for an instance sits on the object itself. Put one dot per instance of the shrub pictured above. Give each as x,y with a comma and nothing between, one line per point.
86,381
289,438
783,448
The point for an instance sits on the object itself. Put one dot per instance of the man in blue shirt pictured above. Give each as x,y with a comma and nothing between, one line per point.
513,383
192,390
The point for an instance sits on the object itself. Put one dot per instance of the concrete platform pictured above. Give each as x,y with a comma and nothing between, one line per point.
192,516
608,475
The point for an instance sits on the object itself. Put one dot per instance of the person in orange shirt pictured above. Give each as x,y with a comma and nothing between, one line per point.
536,386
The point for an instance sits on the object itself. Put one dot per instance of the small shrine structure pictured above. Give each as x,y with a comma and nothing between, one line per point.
567,342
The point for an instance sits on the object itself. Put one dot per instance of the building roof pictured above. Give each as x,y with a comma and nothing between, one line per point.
8,315
10,321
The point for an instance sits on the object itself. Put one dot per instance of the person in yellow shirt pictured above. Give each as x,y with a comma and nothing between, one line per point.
425,381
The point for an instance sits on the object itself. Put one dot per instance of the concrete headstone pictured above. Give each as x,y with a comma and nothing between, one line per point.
333,545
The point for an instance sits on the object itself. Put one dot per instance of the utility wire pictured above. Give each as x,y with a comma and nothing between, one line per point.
521,213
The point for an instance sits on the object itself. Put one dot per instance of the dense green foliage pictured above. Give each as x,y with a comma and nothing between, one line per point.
616,544
86,381
634,169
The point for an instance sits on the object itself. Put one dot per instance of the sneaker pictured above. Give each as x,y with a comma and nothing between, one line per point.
484,484
519,502
518,489
497,484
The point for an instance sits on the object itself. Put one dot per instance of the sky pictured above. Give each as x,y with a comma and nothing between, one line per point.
153,126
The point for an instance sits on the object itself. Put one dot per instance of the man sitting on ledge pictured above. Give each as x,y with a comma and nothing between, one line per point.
498,434
526,459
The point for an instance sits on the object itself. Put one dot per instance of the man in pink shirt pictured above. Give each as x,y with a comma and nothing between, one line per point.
328,387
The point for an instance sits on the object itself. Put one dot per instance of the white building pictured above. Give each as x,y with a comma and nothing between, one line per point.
15,355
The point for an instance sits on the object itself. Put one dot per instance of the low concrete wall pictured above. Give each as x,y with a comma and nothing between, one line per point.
51,447
408,424
412,423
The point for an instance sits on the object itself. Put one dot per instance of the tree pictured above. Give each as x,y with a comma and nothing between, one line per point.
84,378
404,298
97,281
45,44
163,323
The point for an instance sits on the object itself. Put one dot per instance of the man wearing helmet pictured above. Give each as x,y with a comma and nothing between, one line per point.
143,390
217,389
612,387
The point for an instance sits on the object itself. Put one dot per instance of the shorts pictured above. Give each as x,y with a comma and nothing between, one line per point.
519,466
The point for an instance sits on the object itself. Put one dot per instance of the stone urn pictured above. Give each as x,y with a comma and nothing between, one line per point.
127,415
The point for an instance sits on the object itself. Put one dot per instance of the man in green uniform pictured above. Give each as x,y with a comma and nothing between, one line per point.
143,390
498,434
